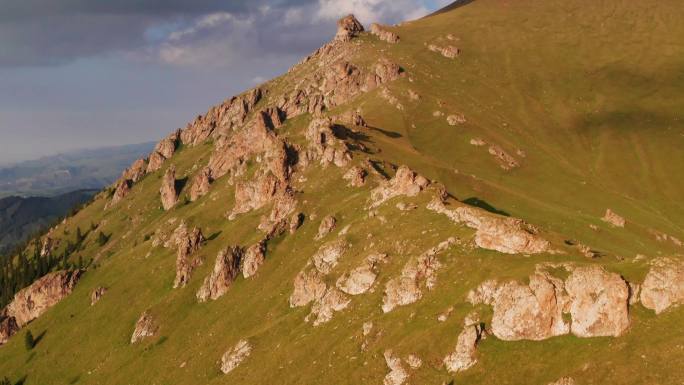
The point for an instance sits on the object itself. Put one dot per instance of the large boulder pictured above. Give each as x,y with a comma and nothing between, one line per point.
463,357
200,184
348,28
8,327
144,327
136,171
327,256
327,225
664,285
254,258
121,190
614,219
226,270
383,34
97,294
31,302
234,356
167,191
405,182
397,374
323,309
308,287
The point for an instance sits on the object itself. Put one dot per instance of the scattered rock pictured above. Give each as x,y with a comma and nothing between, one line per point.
367,328
563,381
254,258
32,301
331,302
463,357
356,176
506,161
136,171
477,142
397,374
348,28
234,357
359,280
448,51
169,195
121,190
414,361
325,259
308,287
454,120
664,285
405,182
383,34
97,294
254,194
445,315
226,269
145,327
327,225
613,219
188,243
295,222
200,184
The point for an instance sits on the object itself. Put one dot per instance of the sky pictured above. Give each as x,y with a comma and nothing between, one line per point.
89,73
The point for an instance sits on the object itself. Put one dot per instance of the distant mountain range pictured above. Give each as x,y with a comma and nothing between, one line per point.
77,170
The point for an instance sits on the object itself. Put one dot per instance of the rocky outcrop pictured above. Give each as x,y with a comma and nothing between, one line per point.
308,287
34,300
613,218
383,34
234,357
167,191
323,309
397,374
253,259
503,234
226,270
121,190
358,280
327,256
327,225
563,381
324,144
187,244
200,184
596,300
136,171
449,51
664,285
417,273
254,194
454,120
8,327
405,182
348,28
506,161
48,246
464,355
97,294
163,151
356,176
145,327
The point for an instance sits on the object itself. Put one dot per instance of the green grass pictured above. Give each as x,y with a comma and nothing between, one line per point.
590,91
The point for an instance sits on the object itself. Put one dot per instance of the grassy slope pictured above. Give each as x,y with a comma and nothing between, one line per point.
588,91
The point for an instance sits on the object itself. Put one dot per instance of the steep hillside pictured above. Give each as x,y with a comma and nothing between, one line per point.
488,195
23,217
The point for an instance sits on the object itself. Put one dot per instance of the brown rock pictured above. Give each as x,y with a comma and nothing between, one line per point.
155,162
8,327
383,34
136,171
254,258
448,51
356,176
563,381
188,243
254,194
327,256
97,294
464,355
348,28
123,187
145,327
169,195
200,184
598,302
405,182
358,280
664,285
397,374
34,300
613,219
324,308
308,287
226,270
234,357
454,120
327,225
506,161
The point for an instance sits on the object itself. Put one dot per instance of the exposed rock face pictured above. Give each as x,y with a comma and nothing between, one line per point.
325,259
31,302
254,194
503,234
327,225
254,258
506,161
383,34
308,287
597,301
121,190
463,357
188,243
145,327
397,374
155,162
405,182
454,120
97,294
414,361
356,176
324,145
169,195
418,272
136,171
200,184
8,327
664,285
359,280
49,244
613,218
226,269
163,151
234,357
348,28
332,301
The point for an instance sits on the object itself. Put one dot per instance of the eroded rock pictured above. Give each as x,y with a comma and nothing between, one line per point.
145,327
97,294
234,357
464,355
356,176
664,285
327,225
348,28
167,191
327,256
405,182
383,34
613,218
200,184
397,374
254,258
226,269
308,287
332,301
8,327
188,243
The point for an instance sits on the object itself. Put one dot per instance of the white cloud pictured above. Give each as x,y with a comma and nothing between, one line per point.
368,11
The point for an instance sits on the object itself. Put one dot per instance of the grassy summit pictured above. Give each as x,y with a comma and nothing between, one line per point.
584,97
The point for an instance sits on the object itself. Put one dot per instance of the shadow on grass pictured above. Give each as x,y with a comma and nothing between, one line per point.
390,134
214,236
38,338
75,379
21,381
477,202
180,184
